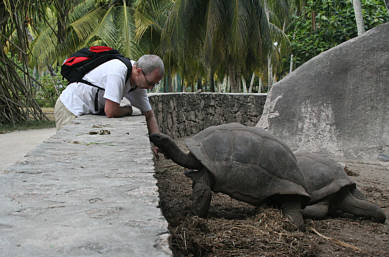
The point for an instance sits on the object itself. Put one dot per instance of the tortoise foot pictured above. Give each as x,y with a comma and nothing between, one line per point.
291,208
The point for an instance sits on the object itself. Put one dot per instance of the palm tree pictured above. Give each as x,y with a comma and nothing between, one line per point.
279,14
89,22
150,17
233,38
222,36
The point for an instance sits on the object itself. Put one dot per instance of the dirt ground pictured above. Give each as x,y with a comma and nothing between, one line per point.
15,145
234,228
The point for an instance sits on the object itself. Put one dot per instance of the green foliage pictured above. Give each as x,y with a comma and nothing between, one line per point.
86,23
335,23
50,89
47,88
197,38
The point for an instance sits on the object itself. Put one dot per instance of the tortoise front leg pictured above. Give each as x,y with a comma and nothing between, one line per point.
291,208
316,211
201,191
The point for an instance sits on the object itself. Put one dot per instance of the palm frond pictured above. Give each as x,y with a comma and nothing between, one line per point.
81,9
43,48
86,25
125,27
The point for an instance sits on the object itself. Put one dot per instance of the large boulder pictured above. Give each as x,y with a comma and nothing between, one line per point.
337,102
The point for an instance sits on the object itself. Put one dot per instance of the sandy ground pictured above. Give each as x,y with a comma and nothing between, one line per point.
15,145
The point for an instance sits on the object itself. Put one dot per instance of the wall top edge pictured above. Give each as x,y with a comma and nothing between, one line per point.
206,93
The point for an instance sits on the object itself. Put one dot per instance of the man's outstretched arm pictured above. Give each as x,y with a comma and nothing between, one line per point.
113,110
153,128
151,121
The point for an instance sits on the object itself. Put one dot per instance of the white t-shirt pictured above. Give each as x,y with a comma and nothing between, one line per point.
79,98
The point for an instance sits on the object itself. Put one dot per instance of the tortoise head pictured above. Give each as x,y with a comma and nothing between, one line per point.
161,140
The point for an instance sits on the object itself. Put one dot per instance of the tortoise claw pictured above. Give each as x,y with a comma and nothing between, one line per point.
190,173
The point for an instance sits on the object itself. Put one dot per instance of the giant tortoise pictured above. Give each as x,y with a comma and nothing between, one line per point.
246,163
331,190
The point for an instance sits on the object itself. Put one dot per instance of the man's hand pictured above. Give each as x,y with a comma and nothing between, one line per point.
155,150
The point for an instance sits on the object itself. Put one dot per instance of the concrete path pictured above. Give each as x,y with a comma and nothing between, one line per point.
84,192
14,145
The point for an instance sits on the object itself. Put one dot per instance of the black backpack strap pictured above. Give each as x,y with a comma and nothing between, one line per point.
90,84
97,92
128,63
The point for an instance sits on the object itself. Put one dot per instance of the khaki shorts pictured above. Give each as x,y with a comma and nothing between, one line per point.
62,115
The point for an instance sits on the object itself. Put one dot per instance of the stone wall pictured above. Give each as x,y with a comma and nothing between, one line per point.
184,114
84,193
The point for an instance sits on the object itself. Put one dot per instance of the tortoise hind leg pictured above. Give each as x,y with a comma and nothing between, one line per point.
347,202
291,208
201,191
316,211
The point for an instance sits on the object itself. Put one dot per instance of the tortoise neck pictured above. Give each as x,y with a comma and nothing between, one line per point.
186,160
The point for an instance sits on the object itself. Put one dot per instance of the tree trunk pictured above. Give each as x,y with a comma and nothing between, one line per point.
358,16
387,4
269,64
168,85
234,80
51,70
199,84
178,81
182,84
62,16
224,86
175,85
244,84
259,85
252,83
217,86
212,81
226,83
291,57
269,73
313,21
17,99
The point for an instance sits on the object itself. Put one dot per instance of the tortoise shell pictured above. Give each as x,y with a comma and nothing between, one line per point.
323,176
247,163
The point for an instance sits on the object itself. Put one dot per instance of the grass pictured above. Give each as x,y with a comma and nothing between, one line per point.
31,124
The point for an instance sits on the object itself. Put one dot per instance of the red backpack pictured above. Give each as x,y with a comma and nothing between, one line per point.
83,61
